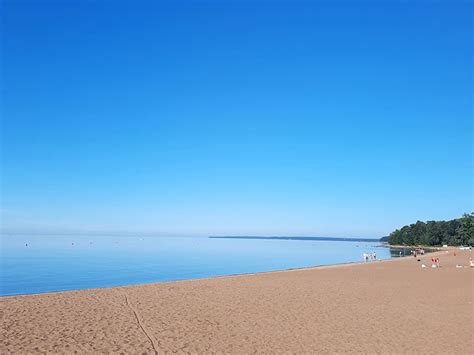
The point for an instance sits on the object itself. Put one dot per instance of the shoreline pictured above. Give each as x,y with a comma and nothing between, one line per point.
430,248
354,307
313,267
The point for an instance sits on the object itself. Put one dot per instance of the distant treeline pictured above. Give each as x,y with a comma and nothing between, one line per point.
327,239
458,231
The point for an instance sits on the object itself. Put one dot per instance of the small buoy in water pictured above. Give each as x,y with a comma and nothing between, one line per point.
26,244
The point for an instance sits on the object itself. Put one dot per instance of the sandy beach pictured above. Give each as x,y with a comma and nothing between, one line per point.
381,307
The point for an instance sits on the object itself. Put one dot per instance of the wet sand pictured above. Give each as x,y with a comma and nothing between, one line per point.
381,307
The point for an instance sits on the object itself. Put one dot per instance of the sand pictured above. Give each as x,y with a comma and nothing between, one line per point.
384,307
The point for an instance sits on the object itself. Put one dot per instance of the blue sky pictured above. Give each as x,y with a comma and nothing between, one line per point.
326,118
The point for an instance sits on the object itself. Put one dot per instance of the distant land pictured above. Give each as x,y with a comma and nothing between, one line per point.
329,239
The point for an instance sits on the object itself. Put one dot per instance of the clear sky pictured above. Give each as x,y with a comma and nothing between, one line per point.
323,118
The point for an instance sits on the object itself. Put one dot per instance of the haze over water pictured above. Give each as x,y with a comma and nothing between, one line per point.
35,264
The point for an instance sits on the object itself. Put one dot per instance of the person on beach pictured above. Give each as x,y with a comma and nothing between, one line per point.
375,256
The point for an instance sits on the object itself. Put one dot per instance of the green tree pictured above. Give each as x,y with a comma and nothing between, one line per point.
465,230
455,232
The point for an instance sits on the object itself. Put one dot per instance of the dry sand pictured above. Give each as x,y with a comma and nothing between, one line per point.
393,306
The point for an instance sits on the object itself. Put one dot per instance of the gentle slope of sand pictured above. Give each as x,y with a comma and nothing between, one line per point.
394,306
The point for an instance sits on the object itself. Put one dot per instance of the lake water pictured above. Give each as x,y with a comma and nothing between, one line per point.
56,263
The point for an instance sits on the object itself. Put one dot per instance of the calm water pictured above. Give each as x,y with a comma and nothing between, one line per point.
68,263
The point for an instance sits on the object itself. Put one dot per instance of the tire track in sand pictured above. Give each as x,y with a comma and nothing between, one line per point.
152,341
